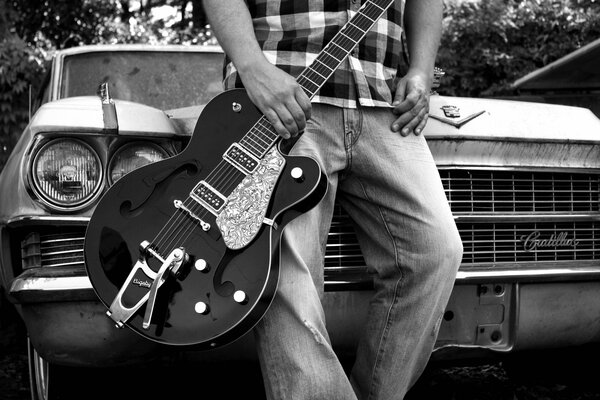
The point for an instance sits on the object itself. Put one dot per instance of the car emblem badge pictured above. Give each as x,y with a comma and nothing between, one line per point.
451,111
534,242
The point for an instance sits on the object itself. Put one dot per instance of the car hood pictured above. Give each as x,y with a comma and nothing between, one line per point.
509,120
86,114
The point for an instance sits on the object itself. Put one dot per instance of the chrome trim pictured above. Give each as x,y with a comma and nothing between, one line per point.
49,284
491,218
470,167
24,219
32,283
461,137
563,273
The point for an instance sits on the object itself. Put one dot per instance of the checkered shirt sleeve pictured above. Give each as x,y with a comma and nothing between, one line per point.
291,33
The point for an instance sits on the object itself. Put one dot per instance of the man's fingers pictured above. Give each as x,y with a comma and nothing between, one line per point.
285,122
422,124
304,103
411,120
407,104
412,125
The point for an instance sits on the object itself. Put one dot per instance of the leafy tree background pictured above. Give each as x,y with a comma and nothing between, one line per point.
486,44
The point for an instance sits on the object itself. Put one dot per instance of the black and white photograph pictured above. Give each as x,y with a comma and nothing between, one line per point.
299,199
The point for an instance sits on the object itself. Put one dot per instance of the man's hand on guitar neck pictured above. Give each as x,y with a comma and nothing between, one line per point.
278,96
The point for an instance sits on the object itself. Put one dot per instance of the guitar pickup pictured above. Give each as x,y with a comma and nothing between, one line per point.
208,197
237,156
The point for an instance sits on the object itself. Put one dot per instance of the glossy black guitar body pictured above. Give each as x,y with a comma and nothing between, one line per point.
213,294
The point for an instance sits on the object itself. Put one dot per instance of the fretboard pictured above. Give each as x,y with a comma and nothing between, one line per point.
263,136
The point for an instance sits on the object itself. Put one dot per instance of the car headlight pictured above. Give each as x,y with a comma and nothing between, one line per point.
133,156
67,173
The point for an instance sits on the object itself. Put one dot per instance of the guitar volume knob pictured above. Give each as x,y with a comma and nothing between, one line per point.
297,174
240,297
201,265
201,308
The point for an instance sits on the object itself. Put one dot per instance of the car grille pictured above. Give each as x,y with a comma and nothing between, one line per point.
482,191
562,224
530,241
491,195
53,249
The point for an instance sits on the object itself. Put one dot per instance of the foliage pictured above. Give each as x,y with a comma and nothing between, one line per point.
488,44
19,67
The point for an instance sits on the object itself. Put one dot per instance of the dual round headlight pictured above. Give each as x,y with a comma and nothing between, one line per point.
68,173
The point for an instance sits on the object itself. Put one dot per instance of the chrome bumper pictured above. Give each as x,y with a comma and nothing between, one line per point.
64,284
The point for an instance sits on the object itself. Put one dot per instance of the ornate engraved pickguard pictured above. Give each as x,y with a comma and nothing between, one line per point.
240,220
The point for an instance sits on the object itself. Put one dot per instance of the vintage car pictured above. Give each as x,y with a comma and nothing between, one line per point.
523,181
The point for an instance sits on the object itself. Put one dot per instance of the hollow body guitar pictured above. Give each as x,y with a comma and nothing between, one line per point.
185,251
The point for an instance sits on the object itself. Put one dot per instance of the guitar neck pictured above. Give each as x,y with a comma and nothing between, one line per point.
334,54
263,136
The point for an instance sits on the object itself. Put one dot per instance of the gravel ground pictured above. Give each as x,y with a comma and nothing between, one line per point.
567,374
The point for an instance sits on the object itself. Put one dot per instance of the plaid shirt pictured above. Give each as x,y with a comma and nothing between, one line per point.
291,33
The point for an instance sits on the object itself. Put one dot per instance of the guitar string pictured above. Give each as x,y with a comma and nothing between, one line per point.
193,205
167,240
188,203
226,185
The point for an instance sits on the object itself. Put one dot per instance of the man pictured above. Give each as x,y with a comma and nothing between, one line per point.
364,128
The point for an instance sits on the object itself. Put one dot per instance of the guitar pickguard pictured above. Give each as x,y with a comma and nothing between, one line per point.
242,217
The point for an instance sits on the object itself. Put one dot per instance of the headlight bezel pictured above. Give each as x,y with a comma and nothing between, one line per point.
127,146
47,200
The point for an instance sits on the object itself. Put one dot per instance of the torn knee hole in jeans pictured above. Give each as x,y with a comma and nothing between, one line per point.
314,331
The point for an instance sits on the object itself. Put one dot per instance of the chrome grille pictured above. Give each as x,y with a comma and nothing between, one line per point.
499,193
483,191
530,241
53,249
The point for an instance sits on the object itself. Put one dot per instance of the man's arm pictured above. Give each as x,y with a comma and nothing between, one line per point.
423,24
276,94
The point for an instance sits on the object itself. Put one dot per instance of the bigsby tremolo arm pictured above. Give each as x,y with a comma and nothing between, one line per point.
139,275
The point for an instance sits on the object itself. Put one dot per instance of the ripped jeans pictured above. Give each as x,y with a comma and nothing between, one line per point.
390,187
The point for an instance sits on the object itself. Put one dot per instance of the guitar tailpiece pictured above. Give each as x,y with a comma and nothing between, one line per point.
143,277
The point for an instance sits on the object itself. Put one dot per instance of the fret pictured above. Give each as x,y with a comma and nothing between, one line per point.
268,134
315,72
259,141
250,144
383,4
354,32
321,68
342,33
310,85
372,11
362,20
377,5
365,16
328,51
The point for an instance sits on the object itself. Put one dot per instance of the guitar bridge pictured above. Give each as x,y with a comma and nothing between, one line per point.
142,283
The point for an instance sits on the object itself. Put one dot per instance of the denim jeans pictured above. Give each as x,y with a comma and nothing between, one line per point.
390,187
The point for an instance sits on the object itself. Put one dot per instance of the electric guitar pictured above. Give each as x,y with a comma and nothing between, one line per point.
185,251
